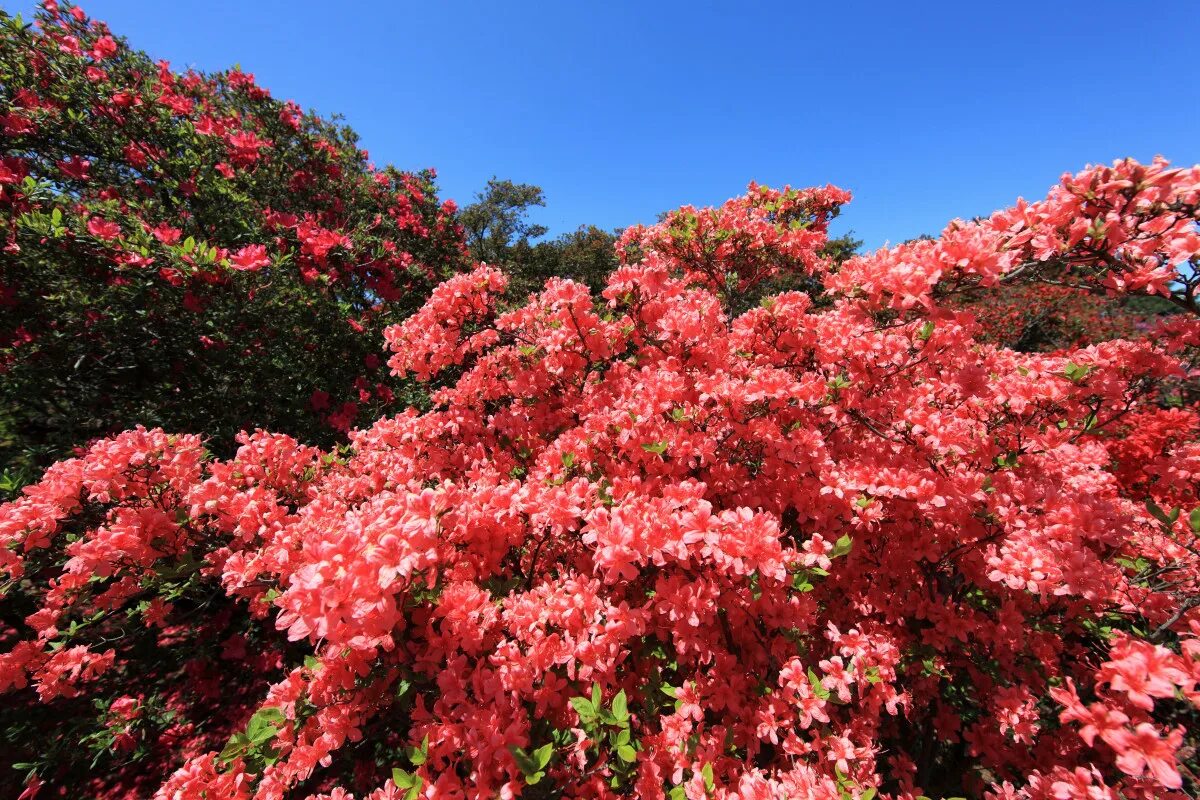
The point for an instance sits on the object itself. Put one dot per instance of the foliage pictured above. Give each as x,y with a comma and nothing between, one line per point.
1041,317
184,250
835,251
499,232
585,255
498,219
641,546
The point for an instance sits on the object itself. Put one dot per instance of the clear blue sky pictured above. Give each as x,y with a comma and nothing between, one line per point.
619,110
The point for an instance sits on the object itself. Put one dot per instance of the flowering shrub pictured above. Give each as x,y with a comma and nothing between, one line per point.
639,547
1047,317
184,250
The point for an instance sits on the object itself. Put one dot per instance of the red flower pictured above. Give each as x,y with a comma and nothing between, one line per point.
1144,750
13,170
319,400
14,124
166,234
103,229
75,168
105,47
250,258
244,146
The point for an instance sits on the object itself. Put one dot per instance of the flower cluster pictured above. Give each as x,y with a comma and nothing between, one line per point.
642,547
1119,229
745,241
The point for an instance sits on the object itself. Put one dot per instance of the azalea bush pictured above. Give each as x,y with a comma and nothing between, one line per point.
185,250
640,546
1052,316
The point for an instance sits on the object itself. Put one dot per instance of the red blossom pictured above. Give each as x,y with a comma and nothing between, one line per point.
103,228
250,258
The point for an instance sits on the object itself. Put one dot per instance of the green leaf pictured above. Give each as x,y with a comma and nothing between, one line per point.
658,448
668,690
596,695
620,707
543,755
707,773
1075,372
818,689
627,754
525,762
403,779
237,745
842,546
926,331
584,708
1160,515
568,460
189,244
263,725
1194,520
419,755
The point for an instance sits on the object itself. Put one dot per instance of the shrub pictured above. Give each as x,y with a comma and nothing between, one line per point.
186,251
639,547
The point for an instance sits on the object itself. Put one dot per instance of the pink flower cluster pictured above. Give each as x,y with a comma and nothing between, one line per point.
1124,228
640,548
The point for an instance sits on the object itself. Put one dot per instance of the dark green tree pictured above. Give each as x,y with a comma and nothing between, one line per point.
186,251
498,231
586,255
498,220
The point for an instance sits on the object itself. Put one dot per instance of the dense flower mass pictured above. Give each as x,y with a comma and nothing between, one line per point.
639,547
165,235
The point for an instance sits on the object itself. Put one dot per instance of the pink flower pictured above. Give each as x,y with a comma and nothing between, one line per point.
1144,750
1143,671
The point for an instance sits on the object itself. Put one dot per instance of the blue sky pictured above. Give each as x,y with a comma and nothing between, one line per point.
619,110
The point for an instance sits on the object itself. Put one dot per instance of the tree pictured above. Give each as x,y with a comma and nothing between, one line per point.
586,255
641,546
498,219
184,250
499,232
